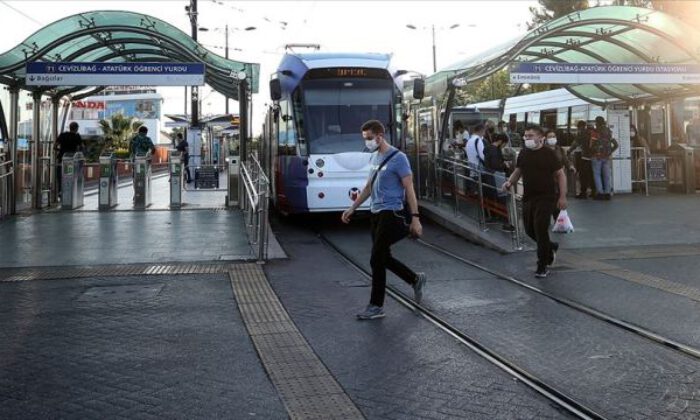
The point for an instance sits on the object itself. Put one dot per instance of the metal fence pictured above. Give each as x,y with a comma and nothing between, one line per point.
475,193
6,196
254,204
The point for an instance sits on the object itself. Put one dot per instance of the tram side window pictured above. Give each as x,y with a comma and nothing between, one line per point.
286,143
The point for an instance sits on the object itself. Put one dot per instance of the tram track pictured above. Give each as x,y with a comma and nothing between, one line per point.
617,322
562,399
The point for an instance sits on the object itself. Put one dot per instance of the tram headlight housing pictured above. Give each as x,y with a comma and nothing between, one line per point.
320,163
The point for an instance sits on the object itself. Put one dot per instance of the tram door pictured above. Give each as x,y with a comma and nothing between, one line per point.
426,150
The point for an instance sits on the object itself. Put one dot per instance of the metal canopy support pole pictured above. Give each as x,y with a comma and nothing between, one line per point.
242,132
195,89
14,123
36,163
226,96
667,123
55,103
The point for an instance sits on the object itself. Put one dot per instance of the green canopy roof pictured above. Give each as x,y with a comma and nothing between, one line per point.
117,36
610,34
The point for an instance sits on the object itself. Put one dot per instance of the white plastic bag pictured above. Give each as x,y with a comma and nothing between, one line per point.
563,223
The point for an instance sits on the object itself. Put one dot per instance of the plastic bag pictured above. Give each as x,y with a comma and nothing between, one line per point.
563,223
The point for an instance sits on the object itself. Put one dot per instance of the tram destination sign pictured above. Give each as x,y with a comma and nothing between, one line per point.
115,74
566,73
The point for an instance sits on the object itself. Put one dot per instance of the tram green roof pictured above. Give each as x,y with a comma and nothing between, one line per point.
608,34
118,36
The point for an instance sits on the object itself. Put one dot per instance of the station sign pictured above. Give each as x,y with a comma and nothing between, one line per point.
572,73
115,74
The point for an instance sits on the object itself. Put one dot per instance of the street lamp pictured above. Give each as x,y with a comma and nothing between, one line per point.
432,29
225,29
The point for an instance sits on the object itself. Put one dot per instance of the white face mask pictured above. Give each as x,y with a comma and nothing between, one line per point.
371,145
633,133
552,141
530,144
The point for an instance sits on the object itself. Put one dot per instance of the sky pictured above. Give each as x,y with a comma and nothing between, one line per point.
338,26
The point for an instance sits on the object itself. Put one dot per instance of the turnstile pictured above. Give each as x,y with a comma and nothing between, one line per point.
175,165
232,187
109,182
142,181
72,180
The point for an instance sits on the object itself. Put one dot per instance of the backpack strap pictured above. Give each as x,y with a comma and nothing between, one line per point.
388,158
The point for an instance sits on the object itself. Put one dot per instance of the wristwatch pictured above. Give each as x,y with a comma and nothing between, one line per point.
415,214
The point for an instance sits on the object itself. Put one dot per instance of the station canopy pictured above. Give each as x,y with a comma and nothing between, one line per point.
119,37
608,34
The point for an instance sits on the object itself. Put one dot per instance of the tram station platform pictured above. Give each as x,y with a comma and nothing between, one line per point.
165,327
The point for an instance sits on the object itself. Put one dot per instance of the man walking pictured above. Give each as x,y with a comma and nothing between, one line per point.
390,181
141,143
68,142
184,148
540,169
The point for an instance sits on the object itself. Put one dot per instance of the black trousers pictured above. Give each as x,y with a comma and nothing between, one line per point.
387,229
536,215
585,177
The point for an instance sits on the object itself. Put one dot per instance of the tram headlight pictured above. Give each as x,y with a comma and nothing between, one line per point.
320,174
321,195
320,163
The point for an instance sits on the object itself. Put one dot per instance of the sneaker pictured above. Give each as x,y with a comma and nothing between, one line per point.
607,197
555,248
582,196
418,287
541,272
599,197
507,227
371,312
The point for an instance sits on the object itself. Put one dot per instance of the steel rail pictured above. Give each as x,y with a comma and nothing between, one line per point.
554,395
638,330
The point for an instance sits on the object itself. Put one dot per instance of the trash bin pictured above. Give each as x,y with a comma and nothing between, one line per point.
232,187
681,169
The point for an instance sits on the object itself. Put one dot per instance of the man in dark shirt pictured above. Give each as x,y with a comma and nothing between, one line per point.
540,169
184,148
68,142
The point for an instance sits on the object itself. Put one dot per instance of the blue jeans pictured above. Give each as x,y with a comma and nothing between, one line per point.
601,175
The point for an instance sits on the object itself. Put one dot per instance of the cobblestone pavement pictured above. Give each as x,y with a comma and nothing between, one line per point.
129,347
613,371
400,367
592,277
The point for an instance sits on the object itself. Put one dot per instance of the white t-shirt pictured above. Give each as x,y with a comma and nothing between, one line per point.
475,150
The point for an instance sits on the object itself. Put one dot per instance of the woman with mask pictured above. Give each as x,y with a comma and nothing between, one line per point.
551,142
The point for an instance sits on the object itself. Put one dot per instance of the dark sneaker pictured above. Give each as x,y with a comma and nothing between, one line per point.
541,272
607,197
599,197
507,227
555,249
370,313
418,287
582,196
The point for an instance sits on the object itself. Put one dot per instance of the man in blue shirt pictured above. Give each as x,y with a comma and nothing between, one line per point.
390,181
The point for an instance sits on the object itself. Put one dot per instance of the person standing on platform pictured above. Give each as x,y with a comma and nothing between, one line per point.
390,183
541,172
68,142
184,148
603,145
582,142
551,142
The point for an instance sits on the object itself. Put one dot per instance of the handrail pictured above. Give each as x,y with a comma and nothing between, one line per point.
255,208
8,173
468,181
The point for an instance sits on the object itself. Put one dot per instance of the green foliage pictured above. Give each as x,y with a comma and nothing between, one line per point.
553,9
118,131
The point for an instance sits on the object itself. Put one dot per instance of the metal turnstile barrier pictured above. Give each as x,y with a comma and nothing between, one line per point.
175,165
233,177
142,181
681,169
72,180
109,182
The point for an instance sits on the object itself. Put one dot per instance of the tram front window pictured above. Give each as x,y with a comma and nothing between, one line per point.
335,110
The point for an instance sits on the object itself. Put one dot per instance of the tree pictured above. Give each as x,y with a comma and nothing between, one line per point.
553,9
118,130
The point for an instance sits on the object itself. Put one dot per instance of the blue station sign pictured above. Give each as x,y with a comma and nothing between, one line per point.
115,74
573,73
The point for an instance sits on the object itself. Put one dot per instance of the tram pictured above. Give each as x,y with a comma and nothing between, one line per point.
312,146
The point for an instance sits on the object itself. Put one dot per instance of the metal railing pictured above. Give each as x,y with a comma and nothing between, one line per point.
6,171
254,204
476,193
640,170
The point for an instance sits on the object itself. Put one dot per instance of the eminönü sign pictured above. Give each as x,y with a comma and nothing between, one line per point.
573,73
115,74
